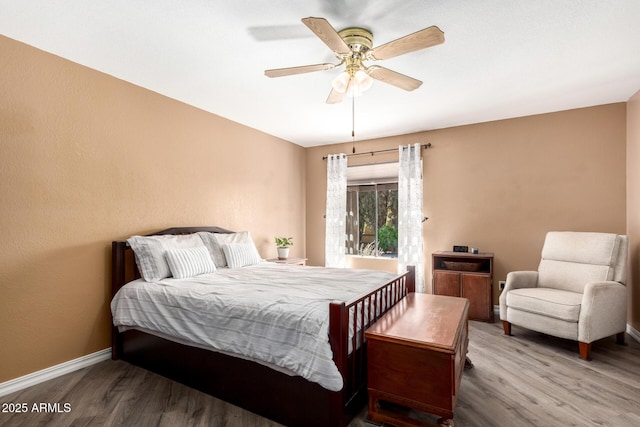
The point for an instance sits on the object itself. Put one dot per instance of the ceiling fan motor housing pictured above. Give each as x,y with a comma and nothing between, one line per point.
358,39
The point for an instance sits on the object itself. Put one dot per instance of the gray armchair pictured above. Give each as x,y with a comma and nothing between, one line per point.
578,292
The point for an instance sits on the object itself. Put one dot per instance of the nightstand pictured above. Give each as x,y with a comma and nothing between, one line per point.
289,261
461,274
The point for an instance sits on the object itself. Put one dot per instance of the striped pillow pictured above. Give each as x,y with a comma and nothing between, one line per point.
189,262
215,241
240,254
150,252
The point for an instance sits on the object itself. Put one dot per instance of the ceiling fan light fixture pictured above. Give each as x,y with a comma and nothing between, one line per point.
341,82
354,88
363,79
352,85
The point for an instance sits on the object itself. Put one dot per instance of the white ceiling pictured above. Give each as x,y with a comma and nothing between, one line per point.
500,59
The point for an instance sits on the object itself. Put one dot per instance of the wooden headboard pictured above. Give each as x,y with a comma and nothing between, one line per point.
123,269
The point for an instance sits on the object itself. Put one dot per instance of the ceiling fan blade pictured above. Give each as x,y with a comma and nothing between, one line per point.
335,97
422,39
393,78
279,72
327,34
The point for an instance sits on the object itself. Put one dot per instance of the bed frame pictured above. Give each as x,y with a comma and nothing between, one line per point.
290,400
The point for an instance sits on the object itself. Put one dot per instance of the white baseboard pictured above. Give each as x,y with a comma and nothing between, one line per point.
634,333
38,377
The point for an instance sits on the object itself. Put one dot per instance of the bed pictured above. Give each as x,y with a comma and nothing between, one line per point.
283,395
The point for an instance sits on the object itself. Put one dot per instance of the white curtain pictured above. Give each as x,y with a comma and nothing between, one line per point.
336,210
410,250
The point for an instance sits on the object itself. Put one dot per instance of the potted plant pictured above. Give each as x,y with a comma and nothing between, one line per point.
283,244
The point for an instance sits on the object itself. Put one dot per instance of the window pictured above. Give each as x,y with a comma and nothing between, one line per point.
372,211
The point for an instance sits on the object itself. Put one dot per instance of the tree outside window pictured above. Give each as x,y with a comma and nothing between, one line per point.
372,220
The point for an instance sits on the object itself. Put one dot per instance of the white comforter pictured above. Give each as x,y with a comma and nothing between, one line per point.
273,313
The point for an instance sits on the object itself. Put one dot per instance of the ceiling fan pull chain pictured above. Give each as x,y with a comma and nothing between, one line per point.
353,123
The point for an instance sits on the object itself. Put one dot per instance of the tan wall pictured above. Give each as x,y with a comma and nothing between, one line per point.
500,186
372,263
633,207
86,159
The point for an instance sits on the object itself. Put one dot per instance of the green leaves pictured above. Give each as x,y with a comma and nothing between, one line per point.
284,242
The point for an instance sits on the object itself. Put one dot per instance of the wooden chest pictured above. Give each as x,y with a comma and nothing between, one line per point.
416,356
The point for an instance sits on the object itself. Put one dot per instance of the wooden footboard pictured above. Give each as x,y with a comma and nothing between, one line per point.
287,399
348,322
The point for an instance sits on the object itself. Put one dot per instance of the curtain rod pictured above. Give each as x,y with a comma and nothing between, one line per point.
371,153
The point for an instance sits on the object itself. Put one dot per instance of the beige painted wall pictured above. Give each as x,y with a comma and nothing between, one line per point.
500,186
86,159
633,207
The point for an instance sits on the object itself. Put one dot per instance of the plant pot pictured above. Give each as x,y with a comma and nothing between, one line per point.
283,253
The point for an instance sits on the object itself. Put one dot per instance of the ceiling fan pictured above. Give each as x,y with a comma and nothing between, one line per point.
353,46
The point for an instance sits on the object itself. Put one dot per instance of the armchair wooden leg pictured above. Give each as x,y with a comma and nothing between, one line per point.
620,338
507,327
585,350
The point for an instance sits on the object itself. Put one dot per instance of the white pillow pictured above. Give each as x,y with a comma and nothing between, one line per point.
150,252
240,254
215,241
189,262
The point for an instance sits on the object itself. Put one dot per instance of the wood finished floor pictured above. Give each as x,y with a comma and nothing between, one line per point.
528,379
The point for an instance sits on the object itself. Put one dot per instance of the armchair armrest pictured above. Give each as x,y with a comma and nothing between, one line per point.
521,279
516,280
603,311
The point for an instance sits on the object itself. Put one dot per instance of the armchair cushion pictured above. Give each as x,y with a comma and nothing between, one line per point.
582,247
572,259
556,303
570,276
